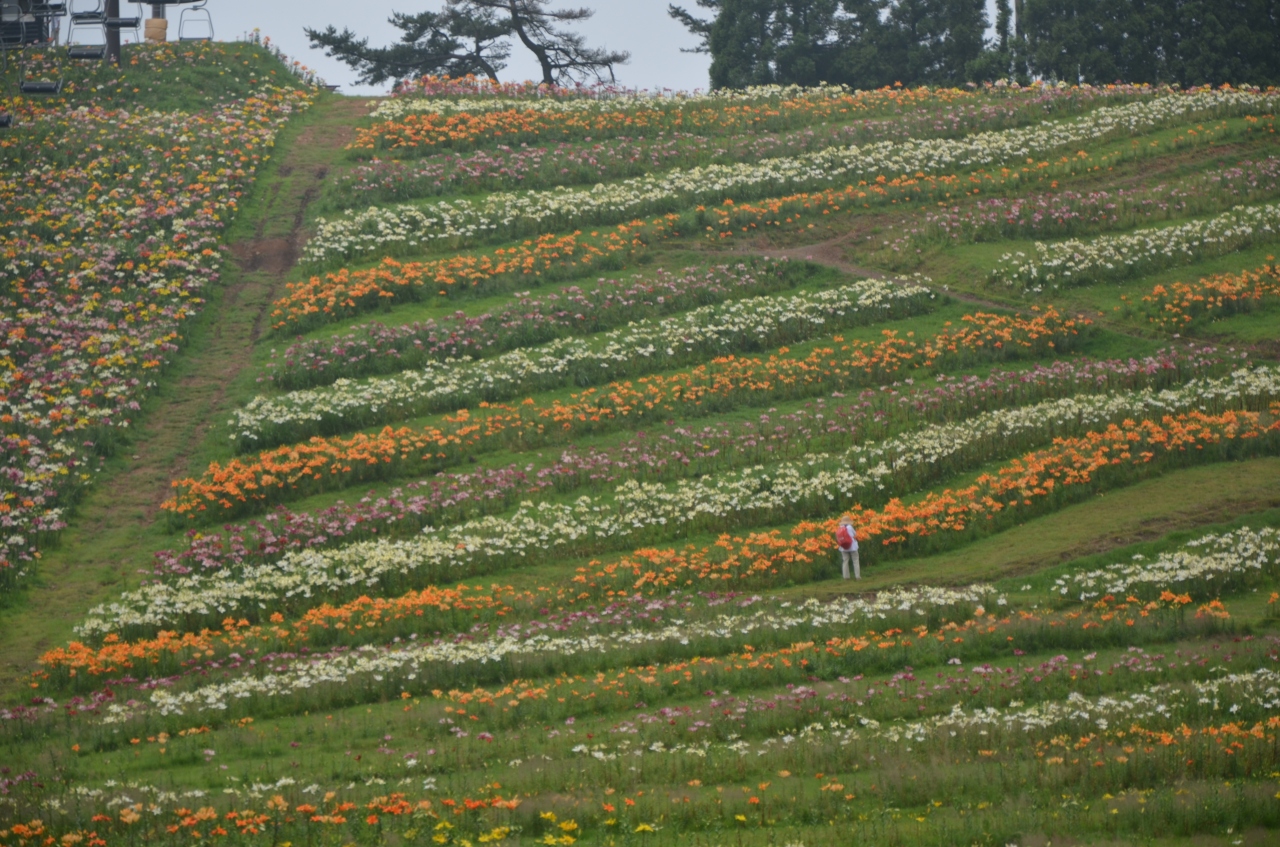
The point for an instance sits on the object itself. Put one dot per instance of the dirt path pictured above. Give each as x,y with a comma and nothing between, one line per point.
831,254
118,526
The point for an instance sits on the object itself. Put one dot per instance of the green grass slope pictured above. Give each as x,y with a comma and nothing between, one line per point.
576,582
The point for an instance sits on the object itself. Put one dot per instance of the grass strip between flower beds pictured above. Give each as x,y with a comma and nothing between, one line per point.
1042,480
676,452
643,347
226,490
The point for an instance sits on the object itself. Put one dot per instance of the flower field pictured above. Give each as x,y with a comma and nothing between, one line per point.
515,523
100,279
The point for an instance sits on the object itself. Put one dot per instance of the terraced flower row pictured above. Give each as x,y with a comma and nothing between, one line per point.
569,163
1213,564
1065,213
725,383
673,453
334,295
563,99
1203,567
1040,480
507,215
412,125
636,513
1240,555
423,666
641,347
525,320
968,634
1168,730
1180,305
322,299
1115,257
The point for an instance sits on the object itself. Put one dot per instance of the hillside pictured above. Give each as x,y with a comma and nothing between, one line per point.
464,466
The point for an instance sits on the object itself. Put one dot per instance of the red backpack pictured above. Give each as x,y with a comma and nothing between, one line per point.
844,536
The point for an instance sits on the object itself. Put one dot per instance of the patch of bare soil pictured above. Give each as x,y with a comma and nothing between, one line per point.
832,253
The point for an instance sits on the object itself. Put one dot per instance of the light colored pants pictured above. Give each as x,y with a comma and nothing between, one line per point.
848,557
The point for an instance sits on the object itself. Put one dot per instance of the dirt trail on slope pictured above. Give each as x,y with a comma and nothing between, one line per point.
112,531
262,264
831,253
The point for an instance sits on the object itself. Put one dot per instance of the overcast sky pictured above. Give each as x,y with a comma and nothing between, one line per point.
641,27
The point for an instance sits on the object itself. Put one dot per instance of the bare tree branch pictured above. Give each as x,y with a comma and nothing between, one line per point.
562,55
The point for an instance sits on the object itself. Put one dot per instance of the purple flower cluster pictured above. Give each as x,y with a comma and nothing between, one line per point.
1066,213
526,320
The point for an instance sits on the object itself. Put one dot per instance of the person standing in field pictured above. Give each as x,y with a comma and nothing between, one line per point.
847,541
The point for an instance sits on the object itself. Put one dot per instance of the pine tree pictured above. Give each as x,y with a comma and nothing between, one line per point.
474,37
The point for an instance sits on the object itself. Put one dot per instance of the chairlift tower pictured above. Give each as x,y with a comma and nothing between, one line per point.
113,35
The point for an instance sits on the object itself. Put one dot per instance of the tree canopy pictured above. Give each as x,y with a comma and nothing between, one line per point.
860,42
475,37
871,43
1190,42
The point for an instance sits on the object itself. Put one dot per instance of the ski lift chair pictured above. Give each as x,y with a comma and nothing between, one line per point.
133,22
11,38
43,86
92,19
196,16
12,29
88,11
28,83
49,13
